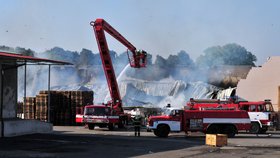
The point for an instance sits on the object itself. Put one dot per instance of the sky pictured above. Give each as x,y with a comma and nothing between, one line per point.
161,27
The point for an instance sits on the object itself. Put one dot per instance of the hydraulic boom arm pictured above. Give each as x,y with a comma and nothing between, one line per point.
138,59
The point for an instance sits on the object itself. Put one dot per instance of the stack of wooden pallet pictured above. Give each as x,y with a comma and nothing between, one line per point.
29,107
80,99
20,109
62,109
63,105
42,105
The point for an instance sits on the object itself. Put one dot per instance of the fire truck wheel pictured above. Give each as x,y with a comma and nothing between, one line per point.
255,128
162,131
213,129
230,131
91,126
156,132
263,130
120,125
111,127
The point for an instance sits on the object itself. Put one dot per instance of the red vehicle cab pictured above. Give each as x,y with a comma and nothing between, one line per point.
99,115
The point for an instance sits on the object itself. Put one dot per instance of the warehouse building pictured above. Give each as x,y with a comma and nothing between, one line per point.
262,83
10,125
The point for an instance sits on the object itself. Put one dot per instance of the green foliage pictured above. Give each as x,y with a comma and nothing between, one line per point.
86,57
178,66
160,61
23,51
58,53
6,49
230,54
18,50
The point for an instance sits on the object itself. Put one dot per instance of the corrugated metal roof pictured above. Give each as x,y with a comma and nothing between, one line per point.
23,58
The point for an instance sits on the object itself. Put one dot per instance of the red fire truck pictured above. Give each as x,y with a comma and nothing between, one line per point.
111,113
211,121
261,113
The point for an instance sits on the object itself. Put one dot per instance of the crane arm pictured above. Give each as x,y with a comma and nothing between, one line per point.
138,59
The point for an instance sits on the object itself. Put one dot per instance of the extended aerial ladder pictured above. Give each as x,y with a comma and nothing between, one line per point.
137,60
111,113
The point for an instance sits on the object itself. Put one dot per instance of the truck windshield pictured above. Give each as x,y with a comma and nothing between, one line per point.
98,111
166,111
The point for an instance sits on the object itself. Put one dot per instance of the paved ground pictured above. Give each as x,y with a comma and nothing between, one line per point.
80,142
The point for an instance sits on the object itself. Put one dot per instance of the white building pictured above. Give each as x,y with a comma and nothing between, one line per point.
262,83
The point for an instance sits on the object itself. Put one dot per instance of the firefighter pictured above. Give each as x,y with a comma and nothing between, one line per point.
137,120
144,56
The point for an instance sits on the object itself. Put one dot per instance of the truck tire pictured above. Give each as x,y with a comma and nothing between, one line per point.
255,128
213,129
162,131
120,125
263,130
156,132
111,126
91,126
230,130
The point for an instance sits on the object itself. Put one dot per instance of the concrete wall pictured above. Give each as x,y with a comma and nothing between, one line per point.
16,127
9,92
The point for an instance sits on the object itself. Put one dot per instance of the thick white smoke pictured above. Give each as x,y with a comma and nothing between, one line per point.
164,82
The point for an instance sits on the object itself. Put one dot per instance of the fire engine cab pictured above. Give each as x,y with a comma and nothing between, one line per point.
261,113
210,121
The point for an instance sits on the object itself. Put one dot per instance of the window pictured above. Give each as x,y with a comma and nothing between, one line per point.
253,108
98,111
175,113
261,108
196,124
245,107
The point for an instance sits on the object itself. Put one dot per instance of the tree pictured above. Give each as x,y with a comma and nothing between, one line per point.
160,61
6,48
23,51
86,57
230,54
184,59
58,53
173,61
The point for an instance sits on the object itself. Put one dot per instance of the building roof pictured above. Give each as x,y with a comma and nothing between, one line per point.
9,57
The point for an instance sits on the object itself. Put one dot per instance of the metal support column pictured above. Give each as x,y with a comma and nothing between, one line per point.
24,93
1,100
49,95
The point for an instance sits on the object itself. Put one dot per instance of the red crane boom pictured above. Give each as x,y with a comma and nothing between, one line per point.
138,59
